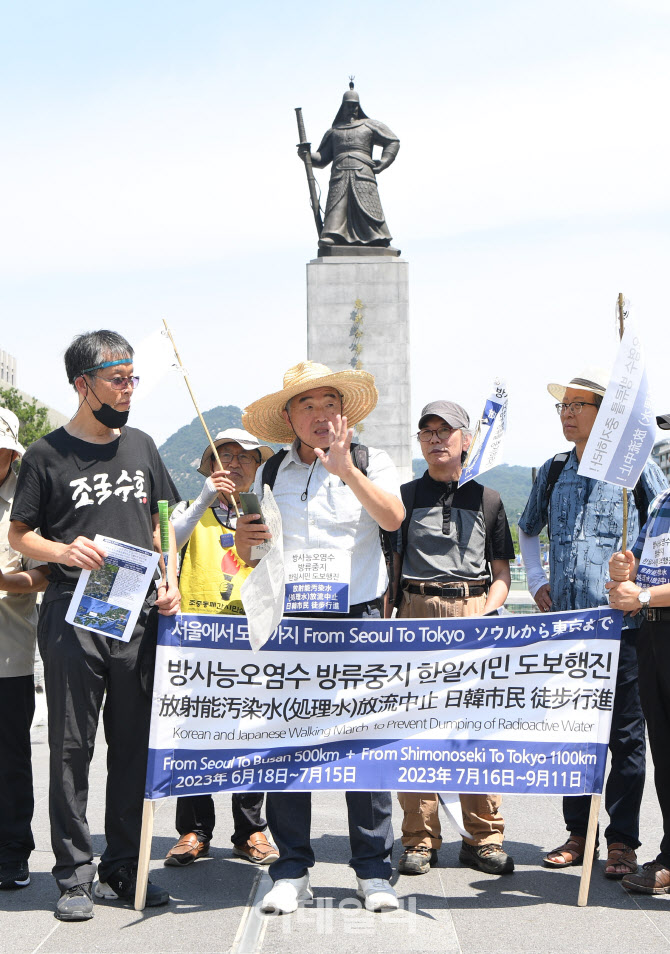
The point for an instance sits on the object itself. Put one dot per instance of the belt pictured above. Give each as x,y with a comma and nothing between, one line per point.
661,615
449,591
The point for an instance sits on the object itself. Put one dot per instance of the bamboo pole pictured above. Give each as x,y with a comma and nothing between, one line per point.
195,404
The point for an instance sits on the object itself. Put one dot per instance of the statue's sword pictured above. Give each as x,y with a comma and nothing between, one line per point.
311,181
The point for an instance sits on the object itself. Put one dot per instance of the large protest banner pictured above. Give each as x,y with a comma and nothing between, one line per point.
510,704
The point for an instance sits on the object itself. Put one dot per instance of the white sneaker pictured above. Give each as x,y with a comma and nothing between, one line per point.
285,894
377,894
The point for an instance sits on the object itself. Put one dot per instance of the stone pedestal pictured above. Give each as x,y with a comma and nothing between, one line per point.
358,316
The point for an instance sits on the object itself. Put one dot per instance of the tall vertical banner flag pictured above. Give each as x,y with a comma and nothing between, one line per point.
490,434
625,429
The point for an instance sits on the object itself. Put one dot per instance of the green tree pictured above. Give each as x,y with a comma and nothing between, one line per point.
33,420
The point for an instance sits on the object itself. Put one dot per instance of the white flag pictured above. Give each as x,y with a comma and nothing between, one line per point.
624,431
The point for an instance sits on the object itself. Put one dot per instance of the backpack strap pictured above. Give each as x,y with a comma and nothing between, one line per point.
554,472
491,508
271,467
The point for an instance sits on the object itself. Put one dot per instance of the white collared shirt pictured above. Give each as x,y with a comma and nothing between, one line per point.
332,516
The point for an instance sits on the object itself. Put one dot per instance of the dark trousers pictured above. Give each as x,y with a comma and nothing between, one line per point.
369,815
17,707
196,814
625,783
653,650
80,668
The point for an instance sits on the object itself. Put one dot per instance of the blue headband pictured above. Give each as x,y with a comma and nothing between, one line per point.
107,364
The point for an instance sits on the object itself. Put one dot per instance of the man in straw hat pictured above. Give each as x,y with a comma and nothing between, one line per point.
327,502
641,584
94,476
20,579
584,520
209,582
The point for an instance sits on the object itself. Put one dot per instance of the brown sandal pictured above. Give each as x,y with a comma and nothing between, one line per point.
571,853
620,854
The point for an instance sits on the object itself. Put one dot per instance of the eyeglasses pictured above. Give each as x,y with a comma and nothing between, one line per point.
243,458
574,406
120,384
443,433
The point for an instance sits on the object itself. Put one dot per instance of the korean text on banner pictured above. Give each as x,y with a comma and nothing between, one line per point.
519,704
625,428
488,451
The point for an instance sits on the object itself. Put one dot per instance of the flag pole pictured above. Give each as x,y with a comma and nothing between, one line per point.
594,810
195,404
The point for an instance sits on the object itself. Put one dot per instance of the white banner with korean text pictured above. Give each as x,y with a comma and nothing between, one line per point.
624,431
474,704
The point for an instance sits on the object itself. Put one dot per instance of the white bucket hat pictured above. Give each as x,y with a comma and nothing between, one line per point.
237,436
590,379
9,431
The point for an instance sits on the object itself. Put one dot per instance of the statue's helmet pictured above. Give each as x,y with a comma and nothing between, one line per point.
351,96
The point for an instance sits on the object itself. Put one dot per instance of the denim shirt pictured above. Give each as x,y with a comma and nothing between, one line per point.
585,520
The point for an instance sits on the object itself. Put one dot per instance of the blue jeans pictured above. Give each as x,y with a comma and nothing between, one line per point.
370,830
625,783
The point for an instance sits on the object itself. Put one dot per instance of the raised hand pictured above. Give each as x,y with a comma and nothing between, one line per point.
337,460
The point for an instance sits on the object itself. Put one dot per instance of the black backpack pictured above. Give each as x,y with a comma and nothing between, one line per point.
361,458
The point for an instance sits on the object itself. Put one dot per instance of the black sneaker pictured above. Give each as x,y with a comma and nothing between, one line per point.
14,874
120,886
417,860
75,904
491,859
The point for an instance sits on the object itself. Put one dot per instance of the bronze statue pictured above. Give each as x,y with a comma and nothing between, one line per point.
354,213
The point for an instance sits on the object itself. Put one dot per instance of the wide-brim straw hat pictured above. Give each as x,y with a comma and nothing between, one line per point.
233,435
590,379
359,397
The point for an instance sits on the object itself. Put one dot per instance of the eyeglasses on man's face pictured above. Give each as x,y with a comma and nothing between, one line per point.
574,406
243,458
118,383
443,433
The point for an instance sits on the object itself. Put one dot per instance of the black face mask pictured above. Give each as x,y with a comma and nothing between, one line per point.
107,415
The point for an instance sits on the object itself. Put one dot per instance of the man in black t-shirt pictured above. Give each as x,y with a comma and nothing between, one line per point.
94,475
453,559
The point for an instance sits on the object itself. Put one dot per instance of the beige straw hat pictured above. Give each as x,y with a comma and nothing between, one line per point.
359,397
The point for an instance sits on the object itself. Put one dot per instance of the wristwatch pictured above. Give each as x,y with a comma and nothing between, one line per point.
644,596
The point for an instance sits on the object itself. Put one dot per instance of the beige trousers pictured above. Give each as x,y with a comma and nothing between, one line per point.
481,813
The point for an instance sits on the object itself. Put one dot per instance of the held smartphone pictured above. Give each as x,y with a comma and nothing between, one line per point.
251,504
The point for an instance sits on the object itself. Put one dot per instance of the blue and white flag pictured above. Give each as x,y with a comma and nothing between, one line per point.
489,438
624,431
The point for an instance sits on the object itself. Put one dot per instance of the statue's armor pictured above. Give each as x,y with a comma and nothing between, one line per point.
354,213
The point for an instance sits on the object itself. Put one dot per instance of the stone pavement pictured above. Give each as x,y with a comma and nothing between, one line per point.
451,909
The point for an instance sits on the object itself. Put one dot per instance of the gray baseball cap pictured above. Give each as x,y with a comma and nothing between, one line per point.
663,421
453,414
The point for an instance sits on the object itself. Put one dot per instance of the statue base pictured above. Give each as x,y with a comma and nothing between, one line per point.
372,251
358,317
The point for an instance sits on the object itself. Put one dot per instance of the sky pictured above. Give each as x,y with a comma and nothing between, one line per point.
150,173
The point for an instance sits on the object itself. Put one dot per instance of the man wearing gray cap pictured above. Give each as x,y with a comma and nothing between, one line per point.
453,559
584,520
20,579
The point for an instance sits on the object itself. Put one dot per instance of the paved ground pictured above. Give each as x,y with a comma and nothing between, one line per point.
451,909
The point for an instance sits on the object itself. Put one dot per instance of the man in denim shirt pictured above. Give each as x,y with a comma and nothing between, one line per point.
584,519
